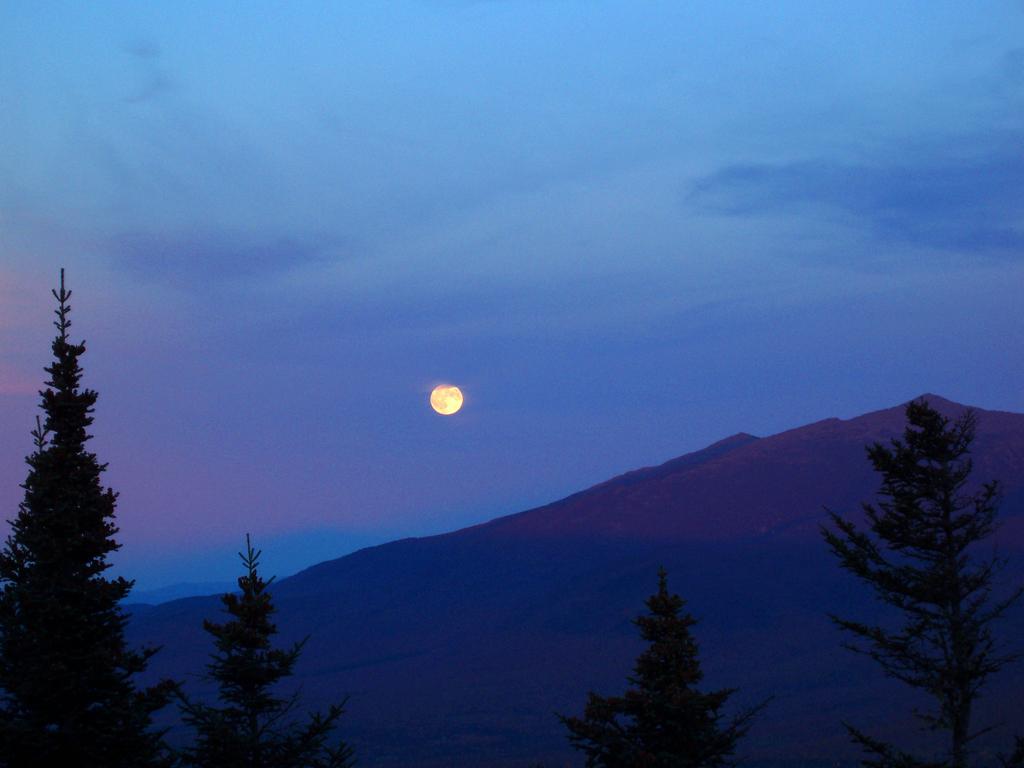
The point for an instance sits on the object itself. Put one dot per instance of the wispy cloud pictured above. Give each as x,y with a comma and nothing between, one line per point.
154,80
951,197
16,382
155,84
1012,66
198,258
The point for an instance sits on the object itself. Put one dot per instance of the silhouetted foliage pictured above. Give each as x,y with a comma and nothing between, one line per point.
66,690
919,559
1016,758
254,727
662,720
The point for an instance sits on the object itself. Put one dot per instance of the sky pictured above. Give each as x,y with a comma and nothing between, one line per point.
625,230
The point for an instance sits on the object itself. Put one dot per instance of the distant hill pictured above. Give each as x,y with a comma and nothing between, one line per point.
178,591
458,649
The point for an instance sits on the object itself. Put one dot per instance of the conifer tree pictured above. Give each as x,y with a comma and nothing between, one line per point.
921,558
254,727
66,691
663,721
1016,758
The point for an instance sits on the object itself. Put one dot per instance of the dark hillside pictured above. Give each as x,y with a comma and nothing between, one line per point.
457,649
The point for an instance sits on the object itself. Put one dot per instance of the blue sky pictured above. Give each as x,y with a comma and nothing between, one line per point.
626,230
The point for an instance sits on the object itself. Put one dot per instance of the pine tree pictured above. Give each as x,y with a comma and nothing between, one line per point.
921,559
1016,758
254,728
662,721
66,690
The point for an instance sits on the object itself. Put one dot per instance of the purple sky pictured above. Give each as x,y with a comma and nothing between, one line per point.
625,234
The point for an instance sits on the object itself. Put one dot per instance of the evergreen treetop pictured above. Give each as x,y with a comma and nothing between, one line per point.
919,556
66,690
662,720
254,727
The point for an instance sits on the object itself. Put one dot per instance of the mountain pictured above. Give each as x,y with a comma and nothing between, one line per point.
178,591
458,649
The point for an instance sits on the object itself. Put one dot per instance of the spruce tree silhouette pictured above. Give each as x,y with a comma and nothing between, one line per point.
663,721
66,691
921,559
253,728
1016,758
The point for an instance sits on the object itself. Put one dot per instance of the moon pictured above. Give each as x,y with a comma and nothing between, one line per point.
446,399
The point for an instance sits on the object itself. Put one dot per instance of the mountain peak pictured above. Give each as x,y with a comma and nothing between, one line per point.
939,403
721,491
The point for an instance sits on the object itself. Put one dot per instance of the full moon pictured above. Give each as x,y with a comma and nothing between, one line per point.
446,399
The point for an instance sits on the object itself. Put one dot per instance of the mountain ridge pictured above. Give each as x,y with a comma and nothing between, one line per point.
745,465
456,648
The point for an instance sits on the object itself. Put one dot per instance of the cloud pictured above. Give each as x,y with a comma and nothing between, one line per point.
154,81
199,258
946,198
142,49
1013,66
17,382
156,84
